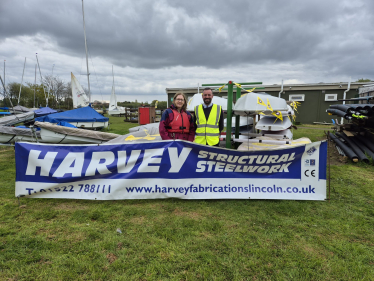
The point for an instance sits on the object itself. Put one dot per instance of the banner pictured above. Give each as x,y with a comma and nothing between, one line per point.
165,169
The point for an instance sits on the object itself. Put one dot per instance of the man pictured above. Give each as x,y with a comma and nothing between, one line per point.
209,120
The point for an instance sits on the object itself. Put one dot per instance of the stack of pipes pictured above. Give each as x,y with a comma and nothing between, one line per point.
357,112
357,144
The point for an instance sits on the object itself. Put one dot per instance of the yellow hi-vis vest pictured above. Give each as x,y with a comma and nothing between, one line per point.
207,132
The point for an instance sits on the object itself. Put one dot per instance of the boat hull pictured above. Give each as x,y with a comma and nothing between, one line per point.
90,125
117,112
5,138
48,136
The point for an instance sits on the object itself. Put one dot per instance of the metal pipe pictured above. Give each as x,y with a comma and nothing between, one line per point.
344,95
342,107
368,143
354,147
347,150
341,152
229,114
264,141
237,118
363,147
339,113
281,91
242,83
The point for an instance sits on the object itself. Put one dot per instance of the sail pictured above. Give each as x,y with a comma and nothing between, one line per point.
80,98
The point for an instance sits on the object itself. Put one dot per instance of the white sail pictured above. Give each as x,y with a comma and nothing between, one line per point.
115,110
80,98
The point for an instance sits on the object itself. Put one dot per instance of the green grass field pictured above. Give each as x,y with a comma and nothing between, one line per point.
54,239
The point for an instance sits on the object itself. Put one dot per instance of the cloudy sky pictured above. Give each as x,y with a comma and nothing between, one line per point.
154,44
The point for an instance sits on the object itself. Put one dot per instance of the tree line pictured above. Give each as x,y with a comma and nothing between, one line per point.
135,104
57,92
32,95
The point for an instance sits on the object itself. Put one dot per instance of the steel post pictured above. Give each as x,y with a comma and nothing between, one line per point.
229,114
237,118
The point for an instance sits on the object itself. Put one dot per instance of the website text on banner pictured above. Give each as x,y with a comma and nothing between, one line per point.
167,169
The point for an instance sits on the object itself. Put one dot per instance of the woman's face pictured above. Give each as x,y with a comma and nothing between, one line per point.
179,101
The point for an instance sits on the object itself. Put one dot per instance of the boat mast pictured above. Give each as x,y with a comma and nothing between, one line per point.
85,43
41,79
113,76
4,83
34,85
50,82
20,88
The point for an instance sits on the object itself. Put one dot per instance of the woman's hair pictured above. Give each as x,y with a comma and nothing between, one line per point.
184,107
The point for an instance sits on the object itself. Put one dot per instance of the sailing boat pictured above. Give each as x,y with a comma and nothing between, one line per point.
115,110
83,116
80,98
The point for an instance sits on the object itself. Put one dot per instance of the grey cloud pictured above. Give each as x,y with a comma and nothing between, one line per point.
330,35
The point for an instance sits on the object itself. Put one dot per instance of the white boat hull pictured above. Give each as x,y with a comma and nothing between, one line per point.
5,138
270,123
116,112
48,136
90,125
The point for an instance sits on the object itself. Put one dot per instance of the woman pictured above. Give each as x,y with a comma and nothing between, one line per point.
176,122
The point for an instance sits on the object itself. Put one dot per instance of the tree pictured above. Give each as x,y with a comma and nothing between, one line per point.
60,95
160,104
364,80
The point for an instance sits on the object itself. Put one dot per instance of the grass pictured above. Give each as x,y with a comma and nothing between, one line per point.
313,132
118,126
54,239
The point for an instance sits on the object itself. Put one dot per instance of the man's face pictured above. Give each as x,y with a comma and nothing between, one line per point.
207,96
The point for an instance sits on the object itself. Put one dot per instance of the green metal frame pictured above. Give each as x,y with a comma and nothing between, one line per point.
230,87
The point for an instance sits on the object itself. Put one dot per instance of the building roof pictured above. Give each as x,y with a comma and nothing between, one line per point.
286,87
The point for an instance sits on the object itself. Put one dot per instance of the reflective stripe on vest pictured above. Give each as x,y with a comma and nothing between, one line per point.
207,131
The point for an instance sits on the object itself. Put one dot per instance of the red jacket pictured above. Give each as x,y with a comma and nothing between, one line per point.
168,117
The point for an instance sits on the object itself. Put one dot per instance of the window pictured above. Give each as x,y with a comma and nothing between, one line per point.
331,97
300,97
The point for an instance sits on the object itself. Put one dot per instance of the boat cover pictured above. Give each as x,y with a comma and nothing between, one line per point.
44,111
76,132
251,103
285,134
83,114
143,135
66,124
247,146
17,131
142,127
19,108
271,123
197,99
17,118
243,121
28,128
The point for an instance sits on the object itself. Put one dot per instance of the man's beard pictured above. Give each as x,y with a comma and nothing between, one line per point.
207,101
